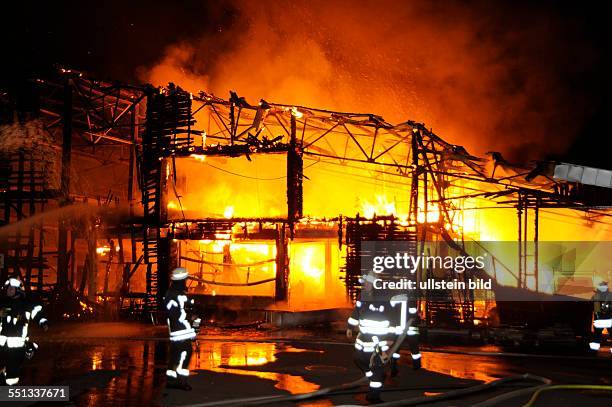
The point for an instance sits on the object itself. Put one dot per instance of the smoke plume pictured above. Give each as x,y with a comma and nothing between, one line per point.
489,77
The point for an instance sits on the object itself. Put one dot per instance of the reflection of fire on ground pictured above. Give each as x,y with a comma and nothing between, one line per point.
230,357
454,365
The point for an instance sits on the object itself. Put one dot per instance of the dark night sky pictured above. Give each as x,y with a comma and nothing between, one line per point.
112,39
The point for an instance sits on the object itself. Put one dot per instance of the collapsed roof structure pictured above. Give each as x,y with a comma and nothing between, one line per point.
163,166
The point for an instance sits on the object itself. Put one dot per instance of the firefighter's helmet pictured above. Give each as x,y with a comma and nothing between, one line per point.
14,282
179,273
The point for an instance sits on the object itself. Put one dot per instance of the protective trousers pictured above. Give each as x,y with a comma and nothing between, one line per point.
413,345
180,356
372,367
599,324
12,358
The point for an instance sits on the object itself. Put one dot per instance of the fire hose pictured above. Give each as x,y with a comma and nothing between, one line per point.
394,348
544,385
378,353
462,391
469,390
253,401
565,387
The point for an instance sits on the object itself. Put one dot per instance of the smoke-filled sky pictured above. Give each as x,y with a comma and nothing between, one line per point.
528,79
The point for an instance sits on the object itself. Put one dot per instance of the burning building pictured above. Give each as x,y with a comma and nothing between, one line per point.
107,187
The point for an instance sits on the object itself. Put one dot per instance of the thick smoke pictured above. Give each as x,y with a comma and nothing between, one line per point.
486,77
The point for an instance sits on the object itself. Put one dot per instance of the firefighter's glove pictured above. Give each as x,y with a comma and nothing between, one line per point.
30,349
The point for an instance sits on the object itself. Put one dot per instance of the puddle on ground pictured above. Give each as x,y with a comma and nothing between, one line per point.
132,372
222,357
470,367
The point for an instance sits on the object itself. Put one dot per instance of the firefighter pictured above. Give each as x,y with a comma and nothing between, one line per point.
16,313
602,318
183,329
374,322
406,322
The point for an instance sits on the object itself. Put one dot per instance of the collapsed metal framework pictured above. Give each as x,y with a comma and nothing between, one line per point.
430,165
146,129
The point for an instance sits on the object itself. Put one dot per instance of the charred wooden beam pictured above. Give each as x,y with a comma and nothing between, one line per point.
295,176
281,288
62,238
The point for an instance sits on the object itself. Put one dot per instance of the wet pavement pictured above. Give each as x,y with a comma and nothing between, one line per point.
124,365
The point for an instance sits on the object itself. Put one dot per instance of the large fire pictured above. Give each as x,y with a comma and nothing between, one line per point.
439,64
254,188
314,278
